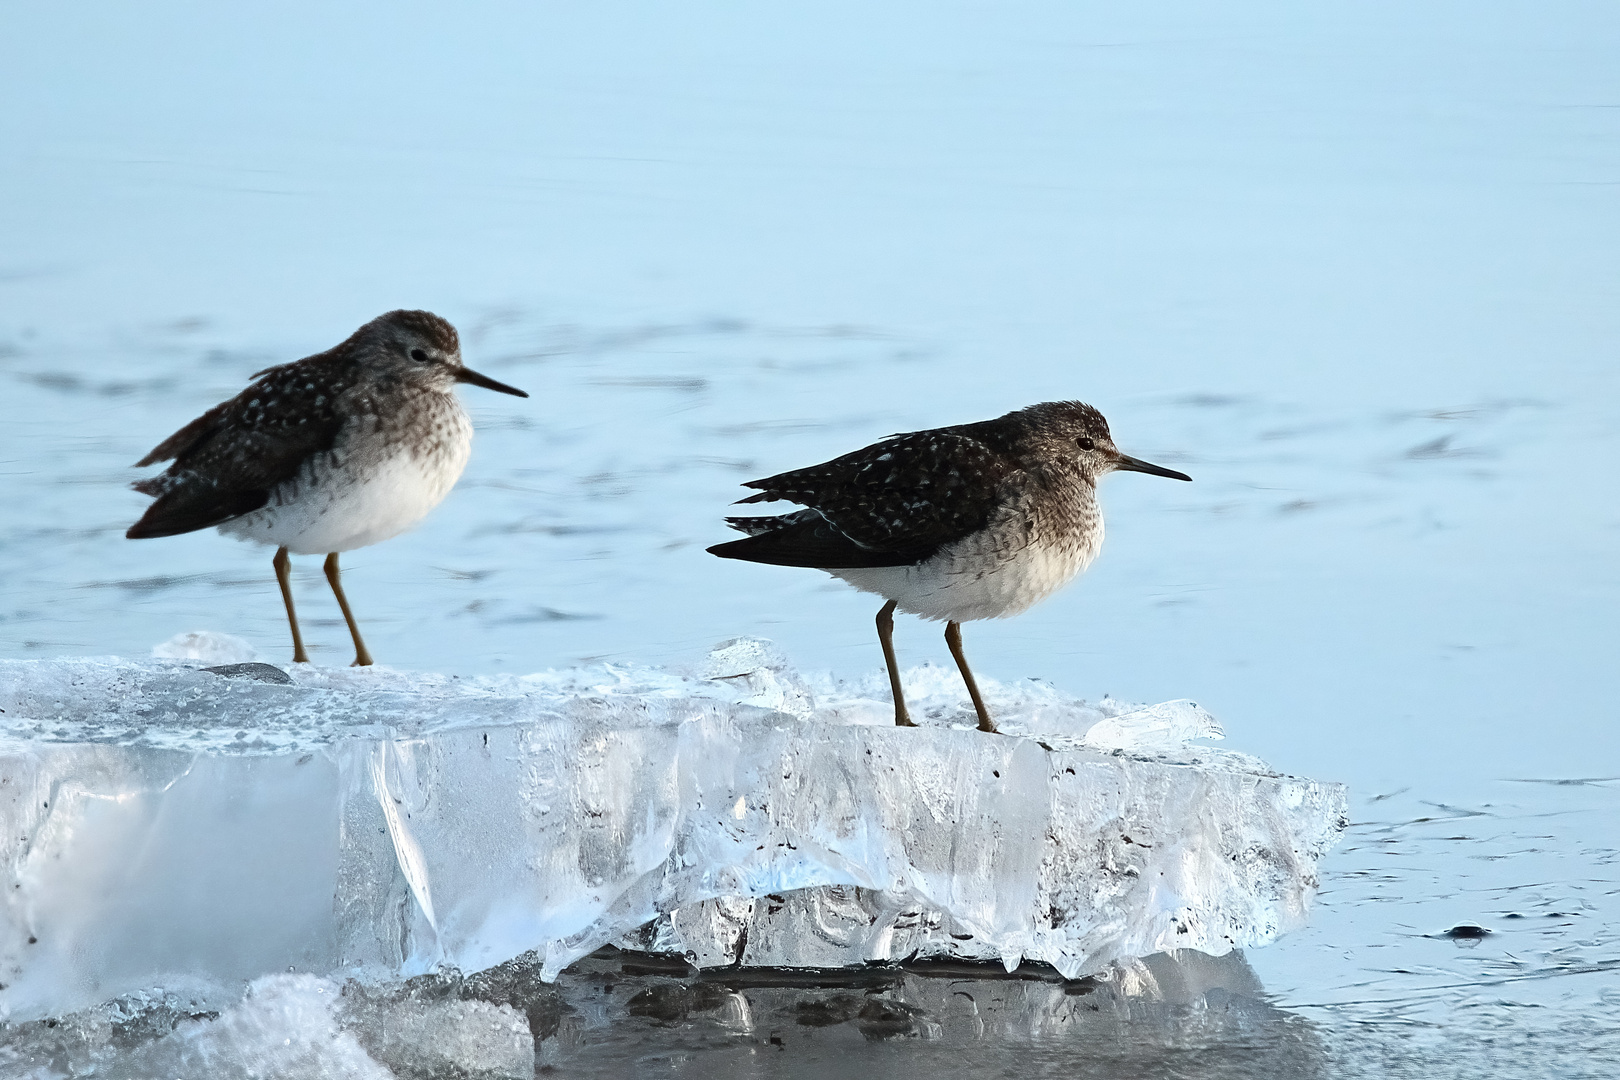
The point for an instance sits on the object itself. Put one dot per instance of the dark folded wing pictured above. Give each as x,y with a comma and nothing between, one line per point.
898,500
229,460
802,539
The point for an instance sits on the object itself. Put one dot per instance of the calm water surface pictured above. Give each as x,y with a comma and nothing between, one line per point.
1353,270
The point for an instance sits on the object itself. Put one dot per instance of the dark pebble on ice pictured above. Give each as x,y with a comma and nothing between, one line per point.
1466,932
257,672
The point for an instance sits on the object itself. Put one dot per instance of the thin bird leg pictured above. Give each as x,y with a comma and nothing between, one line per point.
953,638
362,658
281,563
885,625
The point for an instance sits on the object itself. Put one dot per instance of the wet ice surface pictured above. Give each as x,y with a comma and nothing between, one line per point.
1353,270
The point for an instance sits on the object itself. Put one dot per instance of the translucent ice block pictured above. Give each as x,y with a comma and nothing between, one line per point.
170,825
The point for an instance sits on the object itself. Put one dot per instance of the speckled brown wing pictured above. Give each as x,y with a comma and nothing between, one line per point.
893,503
229,460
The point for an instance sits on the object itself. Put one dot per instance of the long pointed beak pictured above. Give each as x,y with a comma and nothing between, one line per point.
468,375
1130,464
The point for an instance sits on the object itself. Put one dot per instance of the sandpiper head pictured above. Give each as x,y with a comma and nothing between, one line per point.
420,349
1076,431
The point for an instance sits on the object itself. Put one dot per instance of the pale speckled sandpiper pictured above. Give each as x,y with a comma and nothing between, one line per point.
330,453
976,521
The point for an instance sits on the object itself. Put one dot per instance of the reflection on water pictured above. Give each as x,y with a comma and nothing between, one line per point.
930,1021
625,1014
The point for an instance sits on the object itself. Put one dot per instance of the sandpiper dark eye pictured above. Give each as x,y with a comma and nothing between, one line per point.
1085,444
419,356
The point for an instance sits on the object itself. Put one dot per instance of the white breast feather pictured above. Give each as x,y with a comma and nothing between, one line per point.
377,493
981,576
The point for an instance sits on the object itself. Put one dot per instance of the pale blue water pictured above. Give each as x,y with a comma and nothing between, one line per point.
1352,269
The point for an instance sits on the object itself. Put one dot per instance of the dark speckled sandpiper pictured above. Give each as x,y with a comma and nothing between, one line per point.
326,454
977,521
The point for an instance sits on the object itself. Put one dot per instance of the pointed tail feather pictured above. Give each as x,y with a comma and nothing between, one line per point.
186,510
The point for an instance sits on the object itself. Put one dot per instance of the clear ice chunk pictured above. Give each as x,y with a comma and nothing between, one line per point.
169,825
284,1026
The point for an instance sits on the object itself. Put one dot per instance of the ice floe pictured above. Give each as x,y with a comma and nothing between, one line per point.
169,825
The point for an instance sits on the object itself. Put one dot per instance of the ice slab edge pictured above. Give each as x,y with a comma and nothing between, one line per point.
170,826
